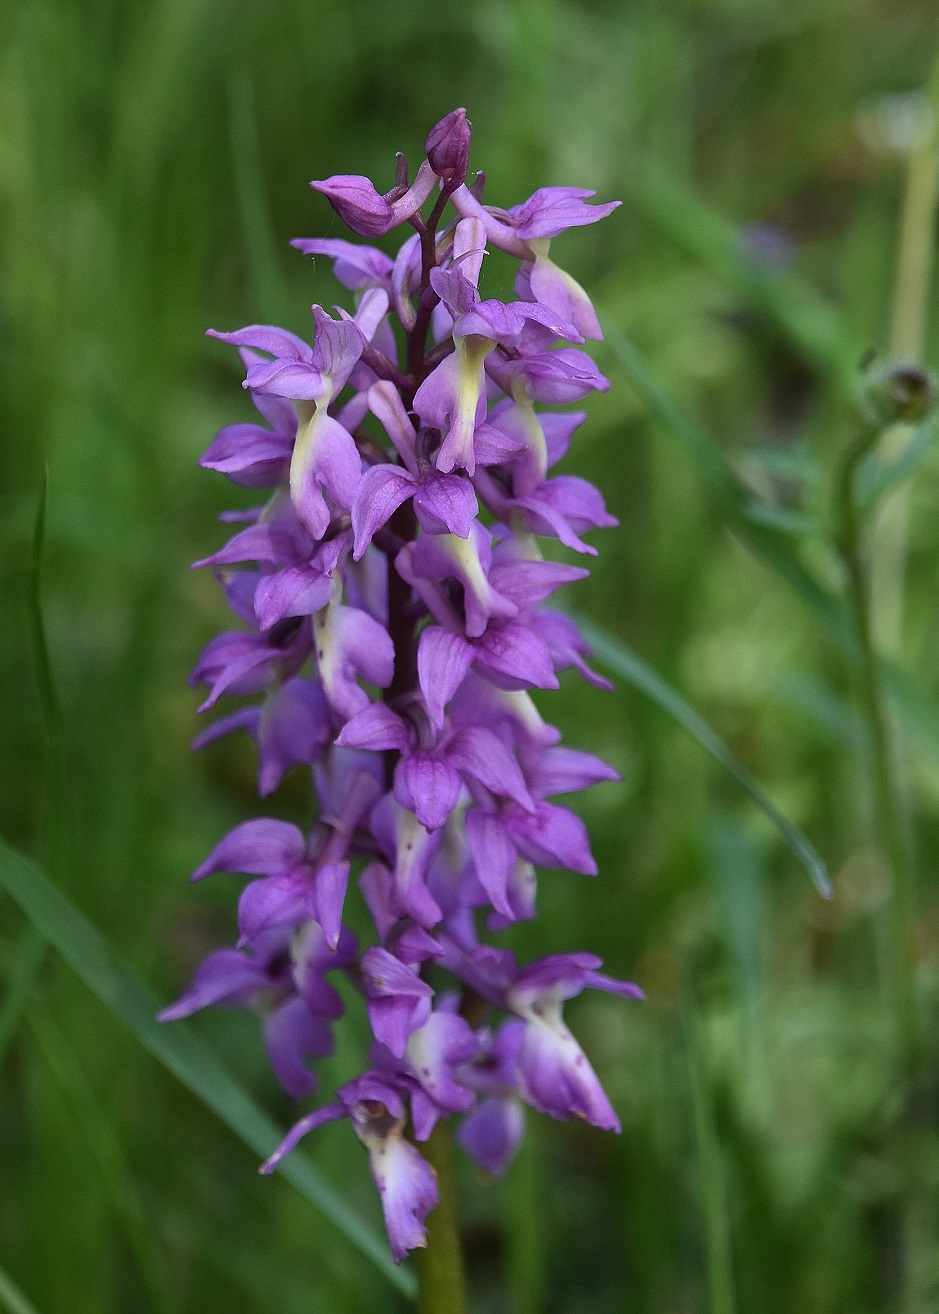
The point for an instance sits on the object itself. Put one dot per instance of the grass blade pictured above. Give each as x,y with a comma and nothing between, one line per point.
11,1298
55,784
93,960
710,1177
263,1277
27,959
628,664
47,693
93,1125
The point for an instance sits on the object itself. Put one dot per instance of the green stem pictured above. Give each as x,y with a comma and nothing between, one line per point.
905,342
889,797
441,1282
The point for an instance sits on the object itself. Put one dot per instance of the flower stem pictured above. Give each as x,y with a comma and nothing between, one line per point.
889,797
907,333
441,1282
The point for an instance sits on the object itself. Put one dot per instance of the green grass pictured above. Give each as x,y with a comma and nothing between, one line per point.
154,163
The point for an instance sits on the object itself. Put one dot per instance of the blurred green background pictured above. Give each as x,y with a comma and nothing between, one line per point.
154,162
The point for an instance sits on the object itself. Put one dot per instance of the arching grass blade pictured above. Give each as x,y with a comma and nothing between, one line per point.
102,971
12,1299
624,662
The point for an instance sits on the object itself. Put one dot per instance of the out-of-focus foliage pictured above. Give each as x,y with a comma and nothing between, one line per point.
154,161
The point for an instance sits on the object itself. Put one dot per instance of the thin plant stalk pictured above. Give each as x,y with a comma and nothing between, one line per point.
889,799
709,1171
905,343
440,1275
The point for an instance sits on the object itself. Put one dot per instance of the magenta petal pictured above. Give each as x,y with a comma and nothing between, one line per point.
246,718
328,1113
492,1134
526,583
435,399
264,337
377,728
578,501
258,543
357,203
250,455
455,290
368,645
561,975
357,645
377,886
325,457
514,654
553,836
567,646
291,1035
481,754
355,266
294,727
556,1078
446,502
408,1189
565,770
228,975
443,659
415,848
381,491
234,663
398,1000
394,1018
337,345
424,1114
385,402
430,788
493,447
258,848
444,1042
385,977
494,857
273,902
555,288
329,893
625,989
553,210
295,591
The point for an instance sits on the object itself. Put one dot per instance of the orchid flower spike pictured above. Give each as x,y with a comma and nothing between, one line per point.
390,593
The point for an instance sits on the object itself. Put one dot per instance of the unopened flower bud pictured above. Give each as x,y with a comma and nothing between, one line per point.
357,203
448,146
901,393
368,213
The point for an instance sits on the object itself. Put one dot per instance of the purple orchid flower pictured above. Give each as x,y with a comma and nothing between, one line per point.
454,396
555,1077
442,502
291,727
391,644
260,978
493,1131
405,1181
